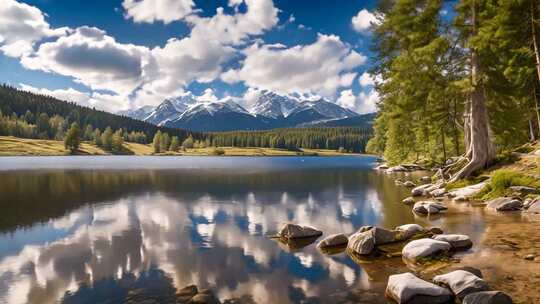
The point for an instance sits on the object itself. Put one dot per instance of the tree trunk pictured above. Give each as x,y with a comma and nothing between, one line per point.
537,109
480,152
531,130
535,44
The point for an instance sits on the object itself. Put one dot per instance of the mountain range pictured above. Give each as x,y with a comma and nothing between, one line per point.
269,111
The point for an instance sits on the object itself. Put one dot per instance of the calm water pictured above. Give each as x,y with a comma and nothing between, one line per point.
93,229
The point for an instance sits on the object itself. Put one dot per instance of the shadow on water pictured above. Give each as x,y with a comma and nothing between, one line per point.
85,235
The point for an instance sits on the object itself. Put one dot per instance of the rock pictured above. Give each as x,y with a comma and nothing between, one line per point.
457,241
365,228
187,292
423,248
409,184
428,207
382,167
425,179
525,190
534,206
334,240
409,200
468,191
420,190
487,297
505,204
293,231
438,192
460,199
412,167
399,168
409,230
435,230
477,272
407,288
461,282
362,242
529,257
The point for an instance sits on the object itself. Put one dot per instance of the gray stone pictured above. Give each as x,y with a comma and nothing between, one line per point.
334,240
428,207
436,230
461,282
397,169
487,297
438,192
534,206
409,230
525,189
293,231
468,191
457,241
382,167
409,200
383,236
407,288
425,179
420,190
505,204
409,184
477,272
204,297
362,242
423,248
460,199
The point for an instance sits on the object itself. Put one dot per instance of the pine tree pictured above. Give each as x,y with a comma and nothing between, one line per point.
156,142
117,141
165,142
174,144
106,139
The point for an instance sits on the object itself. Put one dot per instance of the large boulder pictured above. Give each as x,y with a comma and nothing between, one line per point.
407,288
468,191
334,240
409,230
461,283
505,204
428,207
293,231
364,240
457,241
487,297
424,248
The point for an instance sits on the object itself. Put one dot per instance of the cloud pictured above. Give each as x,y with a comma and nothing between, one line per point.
105,102
150,11
321,67
21,25
363,21
92,58
366,80
363,103
211,43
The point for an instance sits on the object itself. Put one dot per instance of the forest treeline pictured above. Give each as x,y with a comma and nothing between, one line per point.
455,78
28,115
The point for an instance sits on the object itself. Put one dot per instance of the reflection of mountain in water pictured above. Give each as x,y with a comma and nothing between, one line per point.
101,229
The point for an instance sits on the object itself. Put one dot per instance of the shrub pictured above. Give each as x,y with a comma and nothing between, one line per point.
218,151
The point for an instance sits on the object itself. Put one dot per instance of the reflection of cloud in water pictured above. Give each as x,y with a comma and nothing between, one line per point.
155,231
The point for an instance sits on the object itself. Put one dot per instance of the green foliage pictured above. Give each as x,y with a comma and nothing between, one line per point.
156,143
165,142
117,144
73,137
107,139
502,179
175,144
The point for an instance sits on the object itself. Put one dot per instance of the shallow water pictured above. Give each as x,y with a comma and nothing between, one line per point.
96,229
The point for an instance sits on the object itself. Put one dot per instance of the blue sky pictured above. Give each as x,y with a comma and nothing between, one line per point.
124,54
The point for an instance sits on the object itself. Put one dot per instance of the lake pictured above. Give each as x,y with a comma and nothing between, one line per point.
87,229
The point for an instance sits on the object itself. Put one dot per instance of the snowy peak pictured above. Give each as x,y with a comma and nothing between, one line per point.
324,108
272,105
140,113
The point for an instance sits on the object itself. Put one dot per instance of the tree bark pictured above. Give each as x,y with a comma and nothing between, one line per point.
537,109
481,152
535,44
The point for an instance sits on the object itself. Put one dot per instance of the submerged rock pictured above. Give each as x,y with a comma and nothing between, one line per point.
409,230
334,240
420,190
487,297
428,207
460,199
505,204
461,282
407,288
293,231
424,248
457,241
438,192
364,240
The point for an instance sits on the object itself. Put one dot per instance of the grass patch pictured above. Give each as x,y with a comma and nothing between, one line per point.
502,180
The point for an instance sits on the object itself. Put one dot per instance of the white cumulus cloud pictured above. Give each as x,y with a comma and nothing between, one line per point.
21,25
363,20
363,103
321,67
150,11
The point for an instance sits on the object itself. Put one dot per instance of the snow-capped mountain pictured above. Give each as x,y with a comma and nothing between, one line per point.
270,110
272,105
140,113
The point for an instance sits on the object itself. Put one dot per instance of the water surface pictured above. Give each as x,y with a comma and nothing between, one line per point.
97,229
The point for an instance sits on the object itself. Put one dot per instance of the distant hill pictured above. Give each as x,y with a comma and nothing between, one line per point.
365,120
17,101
